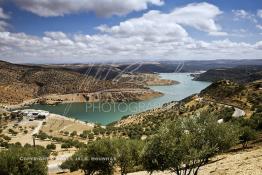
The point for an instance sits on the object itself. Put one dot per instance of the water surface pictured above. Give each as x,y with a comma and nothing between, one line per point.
105,113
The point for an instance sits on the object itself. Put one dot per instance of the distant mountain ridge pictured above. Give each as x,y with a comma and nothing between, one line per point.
239,74
110,71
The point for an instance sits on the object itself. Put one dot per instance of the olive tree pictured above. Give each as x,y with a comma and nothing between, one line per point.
183,146
128,154
102,156
24,161
96,157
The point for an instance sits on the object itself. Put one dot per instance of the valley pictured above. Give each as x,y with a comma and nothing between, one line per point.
130,87
79,117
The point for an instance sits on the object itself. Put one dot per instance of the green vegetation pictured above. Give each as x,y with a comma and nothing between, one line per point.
42,135
21,161
51,146
128,153
182,146
246,134
223,89
74,133
187,144
96,157
103,155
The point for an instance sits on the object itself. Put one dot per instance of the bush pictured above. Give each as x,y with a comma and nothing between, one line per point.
4,144
256,121
18,144
66,145
85,134
246,134
91,136
6,138
51,146
74,133
42,135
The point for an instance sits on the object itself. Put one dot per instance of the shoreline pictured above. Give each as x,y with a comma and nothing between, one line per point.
57,116
54,99
108,95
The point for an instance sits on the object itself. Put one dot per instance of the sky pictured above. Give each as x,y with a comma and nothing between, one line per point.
85,31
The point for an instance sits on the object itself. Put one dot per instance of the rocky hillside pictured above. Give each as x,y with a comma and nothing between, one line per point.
240,74
218,100
22,82
247,96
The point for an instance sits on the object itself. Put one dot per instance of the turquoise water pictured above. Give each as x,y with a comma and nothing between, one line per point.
105,113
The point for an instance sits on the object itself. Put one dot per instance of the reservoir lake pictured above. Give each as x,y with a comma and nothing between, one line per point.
107,112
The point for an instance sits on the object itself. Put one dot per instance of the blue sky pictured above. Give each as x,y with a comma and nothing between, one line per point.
54,31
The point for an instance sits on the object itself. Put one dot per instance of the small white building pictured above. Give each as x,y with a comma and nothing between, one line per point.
33,114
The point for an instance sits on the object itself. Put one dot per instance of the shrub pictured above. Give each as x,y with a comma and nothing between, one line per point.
51,146
91,136
74,133
18,144
42,135
85,134
66,145
4,144
6,138
66,133
256,121
246,134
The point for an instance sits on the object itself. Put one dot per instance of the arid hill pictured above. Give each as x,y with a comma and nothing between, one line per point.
23,82
243,96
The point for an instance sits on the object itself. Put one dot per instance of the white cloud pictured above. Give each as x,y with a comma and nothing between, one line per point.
155,24
198,15
218,33
48,8
259,13
258,45
242,14
59,47
3,24
3,15
155,35
259,26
